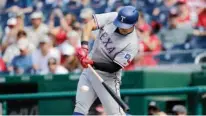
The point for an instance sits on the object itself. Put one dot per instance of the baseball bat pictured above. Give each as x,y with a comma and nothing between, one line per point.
123,105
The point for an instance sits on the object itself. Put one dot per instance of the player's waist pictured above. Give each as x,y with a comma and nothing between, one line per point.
108,74
107,71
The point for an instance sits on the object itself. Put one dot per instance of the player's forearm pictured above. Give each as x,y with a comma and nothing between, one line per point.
87,29
86,32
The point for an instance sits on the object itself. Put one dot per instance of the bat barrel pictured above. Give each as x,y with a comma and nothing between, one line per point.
123,105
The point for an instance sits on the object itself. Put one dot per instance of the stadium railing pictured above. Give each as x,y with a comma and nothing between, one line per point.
197,91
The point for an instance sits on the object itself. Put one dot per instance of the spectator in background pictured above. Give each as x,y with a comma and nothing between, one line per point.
201,23
155,27
141,20
154,110
77,27
86,3
99,6
74,7
22,63
40,56
16,6
70,19
9,33
55,50
12,50
73,40
38,5
97,108
174,35
37,29
162,12
69,60
68,49
1,32
2,65
179,110
20,20
55,68
112,7
65,26
150,41
149,45
86,15
202,18
100,110
184,17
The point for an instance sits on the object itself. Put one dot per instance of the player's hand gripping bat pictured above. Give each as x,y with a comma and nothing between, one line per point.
123,105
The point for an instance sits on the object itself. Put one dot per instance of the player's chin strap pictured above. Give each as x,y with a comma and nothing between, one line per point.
77,114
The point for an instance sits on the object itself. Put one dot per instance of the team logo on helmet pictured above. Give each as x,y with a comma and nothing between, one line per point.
122,20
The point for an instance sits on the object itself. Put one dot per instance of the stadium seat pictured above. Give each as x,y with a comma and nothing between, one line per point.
74,8
99,6
4,18
163,58
198,42
201,58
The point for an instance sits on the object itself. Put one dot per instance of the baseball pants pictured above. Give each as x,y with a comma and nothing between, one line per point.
84,100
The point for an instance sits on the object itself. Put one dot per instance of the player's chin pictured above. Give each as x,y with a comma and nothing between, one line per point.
126,31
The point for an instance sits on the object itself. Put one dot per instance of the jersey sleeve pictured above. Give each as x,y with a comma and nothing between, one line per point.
124,57
105,18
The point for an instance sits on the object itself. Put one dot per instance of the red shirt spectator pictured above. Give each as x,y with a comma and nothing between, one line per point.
184,11
149,45
150,42
61,36
2,65
184,19
202,18
148,52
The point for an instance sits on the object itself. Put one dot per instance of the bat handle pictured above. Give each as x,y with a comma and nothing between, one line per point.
96,74
124,106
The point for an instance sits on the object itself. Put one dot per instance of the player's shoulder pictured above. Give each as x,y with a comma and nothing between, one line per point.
114,13
111,13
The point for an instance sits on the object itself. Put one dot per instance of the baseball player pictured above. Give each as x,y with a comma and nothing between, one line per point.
115,47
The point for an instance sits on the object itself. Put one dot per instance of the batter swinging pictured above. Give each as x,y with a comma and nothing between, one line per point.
114,48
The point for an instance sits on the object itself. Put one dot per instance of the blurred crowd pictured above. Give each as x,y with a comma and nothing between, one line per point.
40,36
176,110
153,109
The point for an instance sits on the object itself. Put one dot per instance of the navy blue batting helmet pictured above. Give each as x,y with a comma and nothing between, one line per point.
127,17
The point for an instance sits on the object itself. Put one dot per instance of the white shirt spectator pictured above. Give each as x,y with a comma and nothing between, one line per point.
61,70
42,61
66,49
10,32
13,50
35,35
54,67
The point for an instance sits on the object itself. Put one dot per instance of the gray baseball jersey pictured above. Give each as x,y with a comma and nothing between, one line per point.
109,47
